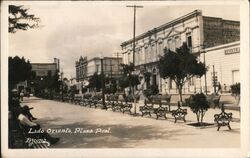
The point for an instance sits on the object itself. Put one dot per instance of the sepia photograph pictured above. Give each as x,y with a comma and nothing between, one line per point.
125,78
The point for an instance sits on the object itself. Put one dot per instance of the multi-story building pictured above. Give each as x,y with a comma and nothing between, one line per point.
87,68
111,66
81,68
198,31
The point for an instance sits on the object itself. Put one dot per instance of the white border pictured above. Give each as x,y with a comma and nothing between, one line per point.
132,152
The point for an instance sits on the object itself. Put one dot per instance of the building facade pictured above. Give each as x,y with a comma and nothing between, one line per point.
223,63
198,31
86,68
81,68
44,69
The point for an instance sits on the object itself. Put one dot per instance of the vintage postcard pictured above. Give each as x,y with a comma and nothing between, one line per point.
125,79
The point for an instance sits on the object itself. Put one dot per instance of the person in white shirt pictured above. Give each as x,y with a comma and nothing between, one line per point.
28,126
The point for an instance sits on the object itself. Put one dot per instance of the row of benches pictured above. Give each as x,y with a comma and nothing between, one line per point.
159,106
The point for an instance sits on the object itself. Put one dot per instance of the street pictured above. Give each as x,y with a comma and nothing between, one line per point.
84,127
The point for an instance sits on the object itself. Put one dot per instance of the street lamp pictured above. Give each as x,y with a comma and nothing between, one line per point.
103,85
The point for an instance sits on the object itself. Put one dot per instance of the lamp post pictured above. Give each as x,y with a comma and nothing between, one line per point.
103,85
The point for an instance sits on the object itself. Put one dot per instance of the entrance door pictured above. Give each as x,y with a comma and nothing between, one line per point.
236,76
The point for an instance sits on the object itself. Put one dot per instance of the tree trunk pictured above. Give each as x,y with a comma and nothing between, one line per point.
198,117
180,93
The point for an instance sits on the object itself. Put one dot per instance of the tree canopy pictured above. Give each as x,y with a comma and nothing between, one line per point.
180,66
19,70
128,78
20,19
95,81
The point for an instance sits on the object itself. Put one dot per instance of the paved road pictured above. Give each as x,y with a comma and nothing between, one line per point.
84,127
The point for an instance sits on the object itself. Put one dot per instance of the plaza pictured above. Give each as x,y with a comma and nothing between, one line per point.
85,127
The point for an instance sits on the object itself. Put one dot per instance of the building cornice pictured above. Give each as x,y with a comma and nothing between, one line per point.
164,26
222,46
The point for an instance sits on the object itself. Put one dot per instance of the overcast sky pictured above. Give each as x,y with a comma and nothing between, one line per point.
70,31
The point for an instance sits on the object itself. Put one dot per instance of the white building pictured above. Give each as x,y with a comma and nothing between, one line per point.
223,62
198,31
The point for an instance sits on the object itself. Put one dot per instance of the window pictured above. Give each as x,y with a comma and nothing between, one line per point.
189,40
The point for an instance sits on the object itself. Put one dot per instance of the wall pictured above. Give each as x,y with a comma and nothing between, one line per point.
218,31
226,59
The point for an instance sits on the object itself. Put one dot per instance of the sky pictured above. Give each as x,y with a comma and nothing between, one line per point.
70,30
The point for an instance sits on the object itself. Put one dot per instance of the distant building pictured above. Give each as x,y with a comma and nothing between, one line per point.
198,31
44,69
86,68
39,72
81,69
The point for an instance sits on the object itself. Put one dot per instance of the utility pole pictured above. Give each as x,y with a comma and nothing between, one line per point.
103,86
134,6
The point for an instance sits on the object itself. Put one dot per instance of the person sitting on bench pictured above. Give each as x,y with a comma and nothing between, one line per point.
28,125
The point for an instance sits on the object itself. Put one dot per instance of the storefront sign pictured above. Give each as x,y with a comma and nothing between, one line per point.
232,51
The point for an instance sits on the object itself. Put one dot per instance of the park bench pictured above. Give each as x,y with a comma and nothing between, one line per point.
160,111
165,100
86,99
111,101
117,104
146,109
108,102
179,113
223,119
77,100
125,104
97,100
213,100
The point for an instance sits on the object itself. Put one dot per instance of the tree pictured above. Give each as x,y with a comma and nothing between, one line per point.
199,106
235,91
180,66
19,70
95,82
20,19
128,78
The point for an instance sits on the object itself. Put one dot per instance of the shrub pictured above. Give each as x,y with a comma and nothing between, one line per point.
199,106
151,90
235,89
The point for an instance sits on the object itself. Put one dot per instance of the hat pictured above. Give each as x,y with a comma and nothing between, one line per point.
26,108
